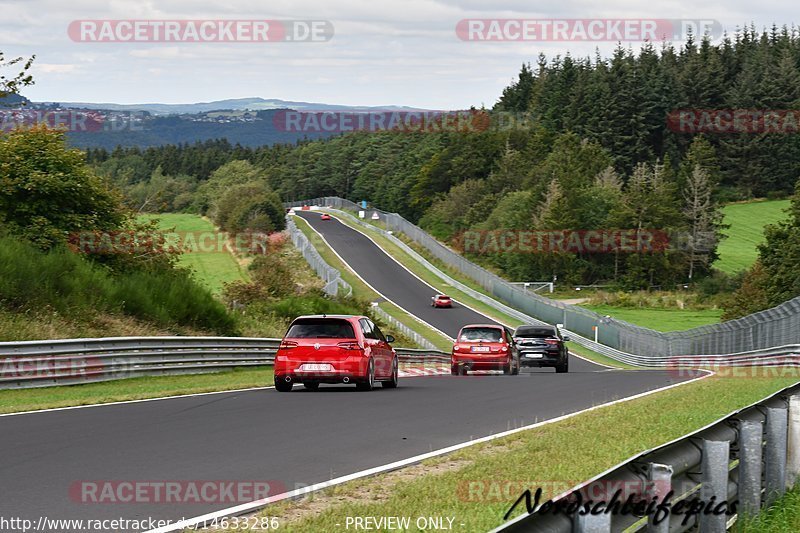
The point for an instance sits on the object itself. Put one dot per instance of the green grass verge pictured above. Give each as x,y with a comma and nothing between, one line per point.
212,269
782,517
432,279
478,484
660,319
13,401
586,353
363,291
747,221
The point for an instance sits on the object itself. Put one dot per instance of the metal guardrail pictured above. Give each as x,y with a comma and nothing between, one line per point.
407,331
31,364
332,277
751,455
772,327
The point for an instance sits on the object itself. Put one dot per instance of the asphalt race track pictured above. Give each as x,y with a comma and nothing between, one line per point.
289,440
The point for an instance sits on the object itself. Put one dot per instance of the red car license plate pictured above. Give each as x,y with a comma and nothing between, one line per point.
480,348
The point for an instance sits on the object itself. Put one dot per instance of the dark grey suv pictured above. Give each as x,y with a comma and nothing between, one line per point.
542,346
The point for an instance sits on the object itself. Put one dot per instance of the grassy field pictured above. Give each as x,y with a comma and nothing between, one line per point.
747,221
478,484
213,269
782,517
14,401
667,319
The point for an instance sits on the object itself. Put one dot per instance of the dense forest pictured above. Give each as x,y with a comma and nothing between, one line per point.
595,152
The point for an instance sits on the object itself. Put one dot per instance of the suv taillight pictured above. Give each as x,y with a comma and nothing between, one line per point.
552,342
285,345
349,345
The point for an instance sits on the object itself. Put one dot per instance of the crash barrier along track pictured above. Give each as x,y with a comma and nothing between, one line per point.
334,284
752,455
776,327
67,362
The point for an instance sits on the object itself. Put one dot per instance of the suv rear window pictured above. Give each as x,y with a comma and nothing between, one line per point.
321,328
534,332
481,334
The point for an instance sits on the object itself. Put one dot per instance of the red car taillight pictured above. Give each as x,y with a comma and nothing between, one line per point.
456,348
504,348
349,345
285,345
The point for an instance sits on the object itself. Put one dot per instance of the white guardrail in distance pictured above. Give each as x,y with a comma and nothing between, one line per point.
787,355
29,364
407,331
332,277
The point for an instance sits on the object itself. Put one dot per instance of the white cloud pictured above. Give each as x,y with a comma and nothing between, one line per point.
383,52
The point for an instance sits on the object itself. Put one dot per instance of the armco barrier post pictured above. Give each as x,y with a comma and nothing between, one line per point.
715,463
775,460
660,477
592,523
793,442
751,440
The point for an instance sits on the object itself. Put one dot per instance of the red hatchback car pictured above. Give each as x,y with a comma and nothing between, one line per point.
441,300
335,349
484,347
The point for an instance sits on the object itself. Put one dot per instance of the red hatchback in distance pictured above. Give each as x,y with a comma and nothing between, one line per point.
484,347
441,300
335,349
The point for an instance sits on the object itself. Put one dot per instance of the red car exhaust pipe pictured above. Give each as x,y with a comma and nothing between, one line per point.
288,379
346,379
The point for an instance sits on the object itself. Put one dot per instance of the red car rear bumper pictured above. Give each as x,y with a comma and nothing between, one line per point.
492,362
353,367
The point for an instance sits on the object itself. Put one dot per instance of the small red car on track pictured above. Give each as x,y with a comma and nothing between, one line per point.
335,349
484,347
325,216
441,300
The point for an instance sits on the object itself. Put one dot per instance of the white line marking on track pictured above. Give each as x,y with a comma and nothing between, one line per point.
134,401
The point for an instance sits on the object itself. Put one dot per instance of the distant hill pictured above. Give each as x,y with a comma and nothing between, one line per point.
246,121
178,129
235,104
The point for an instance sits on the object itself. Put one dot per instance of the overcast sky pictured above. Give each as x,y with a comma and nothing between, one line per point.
399,52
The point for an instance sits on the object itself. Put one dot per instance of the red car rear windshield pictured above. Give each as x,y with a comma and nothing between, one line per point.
481,334
321,328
